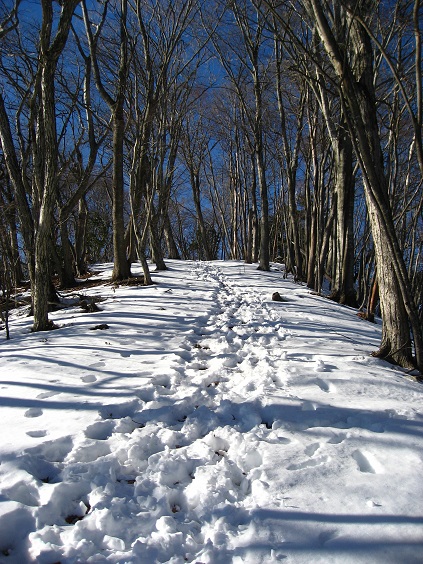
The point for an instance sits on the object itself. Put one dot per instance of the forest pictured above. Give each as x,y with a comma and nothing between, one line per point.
257,130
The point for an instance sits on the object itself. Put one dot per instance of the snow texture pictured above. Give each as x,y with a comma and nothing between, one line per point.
207,423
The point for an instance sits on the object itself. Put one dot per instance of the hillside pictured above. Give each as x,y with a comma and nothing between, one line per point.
197,420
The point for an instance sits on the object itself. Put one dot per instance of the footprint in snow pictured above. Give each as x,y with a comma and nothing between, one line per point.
231,361
198,366
162,381
33,412
337,439
37,434
45,395
52,451
367,462
312,449
88,378
100,364
308,463
325,386
119,410
184,356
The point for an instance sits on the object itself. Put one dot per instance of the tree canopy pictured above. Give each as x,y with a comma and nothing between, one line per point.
262,130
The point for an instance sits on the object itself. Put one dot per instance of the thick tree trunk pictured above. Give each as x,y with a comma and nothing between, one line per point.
50,52
396,342
41,289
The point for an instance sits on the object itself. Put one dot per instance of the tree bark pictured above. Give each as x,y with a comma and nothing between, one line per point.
343,290
121,267
264,257
172,249
67,270
80,238
50,51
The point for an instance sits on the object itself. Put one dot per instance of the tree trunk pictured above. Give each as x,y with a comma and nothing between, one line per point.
343,290
312,253
80,238
67,272
49,55
121,267
155,243
172,249
264,256
18,186
291,165
10,239
195,186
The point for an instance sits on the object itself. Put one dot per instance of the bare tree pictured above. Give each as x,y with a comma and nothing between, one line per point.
116,102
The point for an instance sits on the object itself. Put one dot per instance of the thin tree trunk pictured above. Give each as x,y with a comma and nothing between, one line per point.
172,248
291,164
264,256
80,238
121,267
67,272
343,290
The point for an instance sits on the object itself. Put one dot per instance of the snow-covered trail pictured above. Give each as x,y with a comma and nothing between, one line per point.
265,434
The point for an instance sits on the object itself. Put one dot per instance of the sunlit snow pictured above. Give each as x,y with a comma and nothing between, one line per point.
207,423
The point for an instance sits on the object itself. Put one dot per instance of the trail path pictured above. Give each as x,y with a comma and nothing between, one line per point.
258,433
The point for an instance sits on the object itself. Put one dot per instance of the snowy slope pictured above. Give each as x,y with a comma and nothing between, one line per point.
208,424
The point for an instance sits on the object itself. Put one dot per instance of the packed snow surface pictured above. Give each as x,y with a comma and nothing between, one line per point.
206,423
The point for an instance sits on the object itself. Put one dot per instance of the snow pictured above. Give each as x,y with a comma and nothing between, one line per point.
207,424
